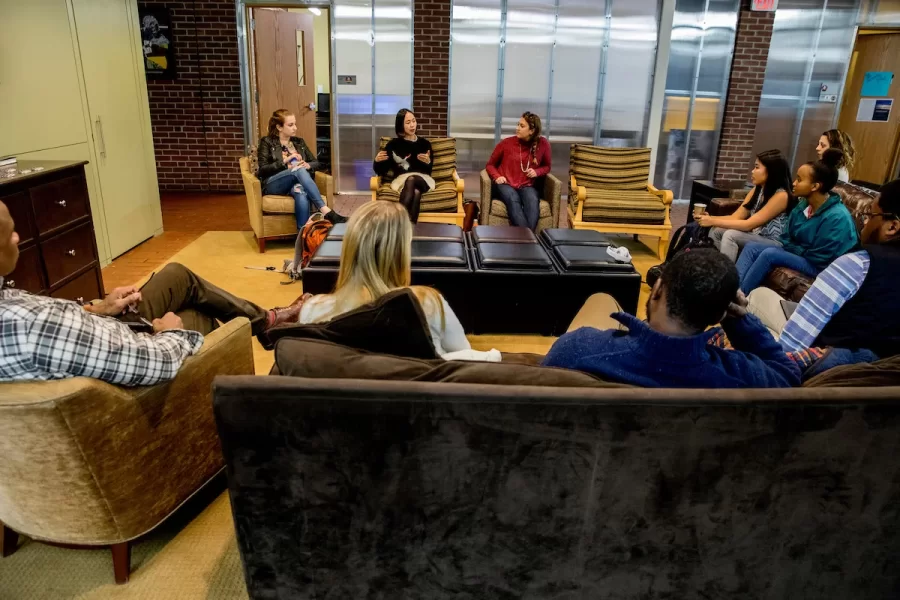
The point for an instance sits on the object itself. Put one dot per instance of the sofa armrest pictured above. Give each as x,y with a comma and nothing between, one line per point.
552,193
460,189
374,184
485,200
325,183
723,207
253,192
580,193
86,462
666,196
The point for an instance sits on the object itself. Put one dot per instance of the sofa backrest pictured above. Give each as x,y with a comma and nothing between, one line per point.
426,490
857,199
610,168
443,160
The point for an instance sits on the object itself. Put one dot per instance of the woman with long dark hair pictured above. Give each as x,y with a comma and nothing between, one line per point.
819,229
513,168
764,213
409,156
286,166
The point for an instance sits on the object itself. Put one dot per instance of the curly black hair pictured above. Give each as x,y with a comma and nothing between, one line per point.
700,283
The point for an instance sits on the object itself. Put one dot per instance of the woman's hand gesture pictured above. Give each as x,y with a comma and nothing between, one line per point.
531,173
500,180
425,157
381,156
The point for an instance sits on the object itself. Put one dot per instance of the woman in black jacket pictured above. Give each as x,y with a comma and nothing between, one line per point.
409,156
286,166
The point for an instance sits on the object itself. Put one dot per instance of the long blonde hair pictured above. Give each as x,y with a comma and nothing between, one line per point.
840,140
376,258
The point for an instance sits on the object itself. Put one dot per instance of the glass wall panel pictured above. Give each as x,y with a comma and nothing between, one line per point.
353,103
530,26
630,61
393,62
580,33
474,59
697,79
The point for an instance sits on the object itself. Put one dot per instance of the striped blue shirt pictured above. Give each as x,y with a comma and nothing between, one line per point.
832,289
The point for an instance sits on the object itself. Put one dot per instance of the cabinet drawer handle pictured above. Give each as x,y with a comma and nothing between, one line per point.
71,252
62,203
11,283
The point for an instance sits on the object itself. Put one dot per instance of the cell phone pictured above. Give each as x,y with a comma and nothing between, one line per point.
788,308
142,325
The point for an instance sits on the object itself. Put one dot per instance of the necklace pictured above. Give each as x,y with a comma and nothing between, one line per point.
527,165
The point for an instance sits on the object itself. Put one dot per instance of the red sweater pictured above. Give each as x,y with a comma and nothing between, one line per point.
511,155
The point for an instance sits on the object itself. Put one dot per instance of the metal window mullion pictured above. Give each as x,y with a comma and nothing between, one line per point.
690,116
332,98
501,64
658,91
807,81
601,79
552,68
723,92
372,46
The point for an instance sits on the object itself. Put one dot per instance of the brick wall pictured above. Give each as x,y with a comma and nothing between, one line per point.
197,119
431,60
748,70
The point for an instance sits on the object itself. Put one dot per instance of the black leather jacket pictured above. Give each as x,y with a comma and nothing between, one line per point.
271,161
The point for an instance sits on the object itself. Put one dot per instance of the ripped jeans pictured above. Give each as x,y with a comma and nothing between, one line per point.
300,184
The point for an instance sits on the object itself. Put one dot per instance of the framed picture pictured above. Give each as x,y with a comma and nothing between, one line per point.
156,35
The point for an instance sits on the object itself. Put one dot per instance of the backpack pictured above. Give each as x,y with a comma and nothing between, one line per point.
688,237
310,238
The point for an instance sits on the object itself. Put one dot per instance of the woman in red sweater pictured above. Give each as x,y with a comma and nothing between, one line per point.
514,166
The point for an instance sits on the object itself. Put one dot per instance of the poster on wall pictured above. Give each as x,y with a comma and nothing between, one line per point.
156,36
874,110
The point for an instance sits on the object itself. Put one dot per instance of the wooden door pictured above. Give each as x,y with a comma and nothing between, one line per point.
877,143
284,53
108,48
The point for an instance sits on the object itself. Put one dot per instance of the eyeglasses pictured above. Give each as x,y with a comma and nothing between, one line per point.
868,215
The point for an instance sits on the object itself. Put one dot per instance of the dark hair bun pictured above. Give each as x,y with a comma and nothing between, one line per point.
832,157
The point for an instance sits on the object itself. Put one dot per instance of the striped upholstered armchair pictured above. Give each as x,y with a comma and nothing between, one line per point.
443,204
609,192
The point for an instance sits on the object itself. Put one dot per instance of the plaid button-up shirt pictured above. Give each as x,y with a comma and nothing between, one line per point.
44,338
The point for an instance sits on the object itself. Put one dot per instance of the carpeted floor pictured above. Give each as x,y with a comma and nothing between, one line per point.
193,555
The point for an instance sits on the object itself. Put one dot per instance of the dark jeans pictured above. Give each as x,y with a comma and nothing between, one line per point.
300,184
758,260
199,303
523,205
411,196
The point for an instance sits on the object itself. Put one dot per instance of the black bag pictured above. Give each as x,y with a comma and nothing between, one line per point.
689,236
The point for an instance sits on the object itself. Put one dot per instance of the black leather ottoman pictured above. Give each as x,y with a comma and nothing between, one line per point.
573,237
496,233
437,231
337,231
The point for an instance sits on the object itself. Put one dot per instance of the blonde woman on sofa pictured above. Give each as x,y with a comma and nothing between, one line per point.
376,258
837,139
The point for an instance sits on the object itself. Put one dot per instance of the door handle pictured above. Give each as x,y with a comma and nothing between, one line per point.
62,203
71,252
312,106
11,283
99,125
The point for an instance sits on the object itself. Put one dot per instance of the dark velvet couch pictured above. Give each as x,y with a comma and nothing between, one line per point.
792,284
367,475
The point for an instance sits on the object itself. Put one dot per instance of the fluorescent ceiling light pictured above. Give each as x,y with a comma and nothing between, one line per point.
315,11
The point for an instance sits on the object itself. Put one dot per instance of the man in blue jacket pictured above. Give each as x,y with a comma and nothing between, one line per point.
696,289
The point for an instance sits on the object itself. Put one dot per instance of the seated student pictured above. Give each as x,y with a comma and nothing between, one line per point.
851,303
376,259
44,338
513,167
819,229
286,166
837,139
671,349
764,213
409,156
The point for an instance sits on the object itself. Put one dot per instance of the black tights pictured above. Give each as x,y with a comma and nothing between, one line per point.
411,196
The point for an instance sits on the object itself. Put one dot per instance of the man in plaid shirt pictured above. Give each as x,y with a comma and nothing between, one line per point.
43,338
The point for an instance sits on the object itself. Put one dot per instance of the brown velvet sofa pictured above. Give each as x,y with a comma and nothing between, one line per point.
363,474
85,463
791,284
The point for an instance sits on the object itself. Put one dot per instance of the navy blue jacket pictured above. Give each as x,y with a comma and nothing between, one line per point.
643,357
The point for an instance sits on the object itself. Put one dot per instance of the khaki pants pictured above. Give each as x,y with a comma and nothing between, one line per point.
766,305
595,313
199,303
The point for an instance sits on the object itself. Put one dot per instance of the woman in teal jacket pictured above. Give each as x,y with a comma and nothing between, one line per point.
819,229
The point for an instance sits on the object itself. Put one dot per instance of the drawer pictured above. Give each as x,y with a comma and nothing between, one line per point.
68,252
19,207
82,289
28,274
59,202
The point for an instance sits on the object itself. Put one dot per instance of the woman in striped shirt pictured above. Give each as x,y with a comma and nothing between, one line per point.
764,213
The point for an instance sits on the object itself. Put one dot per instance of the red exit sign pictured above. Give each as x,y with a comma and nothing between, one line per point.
764,5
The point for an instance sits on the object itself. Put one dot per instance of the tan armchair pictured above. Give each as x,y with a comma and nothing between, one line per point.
443,204
86,463
493,211
609,192
271,216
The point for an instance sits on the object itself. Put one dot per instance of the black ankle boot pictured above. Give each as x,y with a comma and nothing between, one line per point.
335,218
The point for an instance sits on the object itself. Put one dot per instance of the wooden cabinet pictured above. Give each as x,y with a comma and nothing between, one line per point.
57,248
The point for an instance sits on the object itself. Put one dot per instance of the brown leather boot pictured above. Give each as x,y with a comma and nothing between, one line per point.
471,210
283,315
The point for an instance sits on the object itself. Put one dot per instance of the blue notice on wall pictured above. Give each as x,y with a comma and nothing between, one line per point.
877,83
